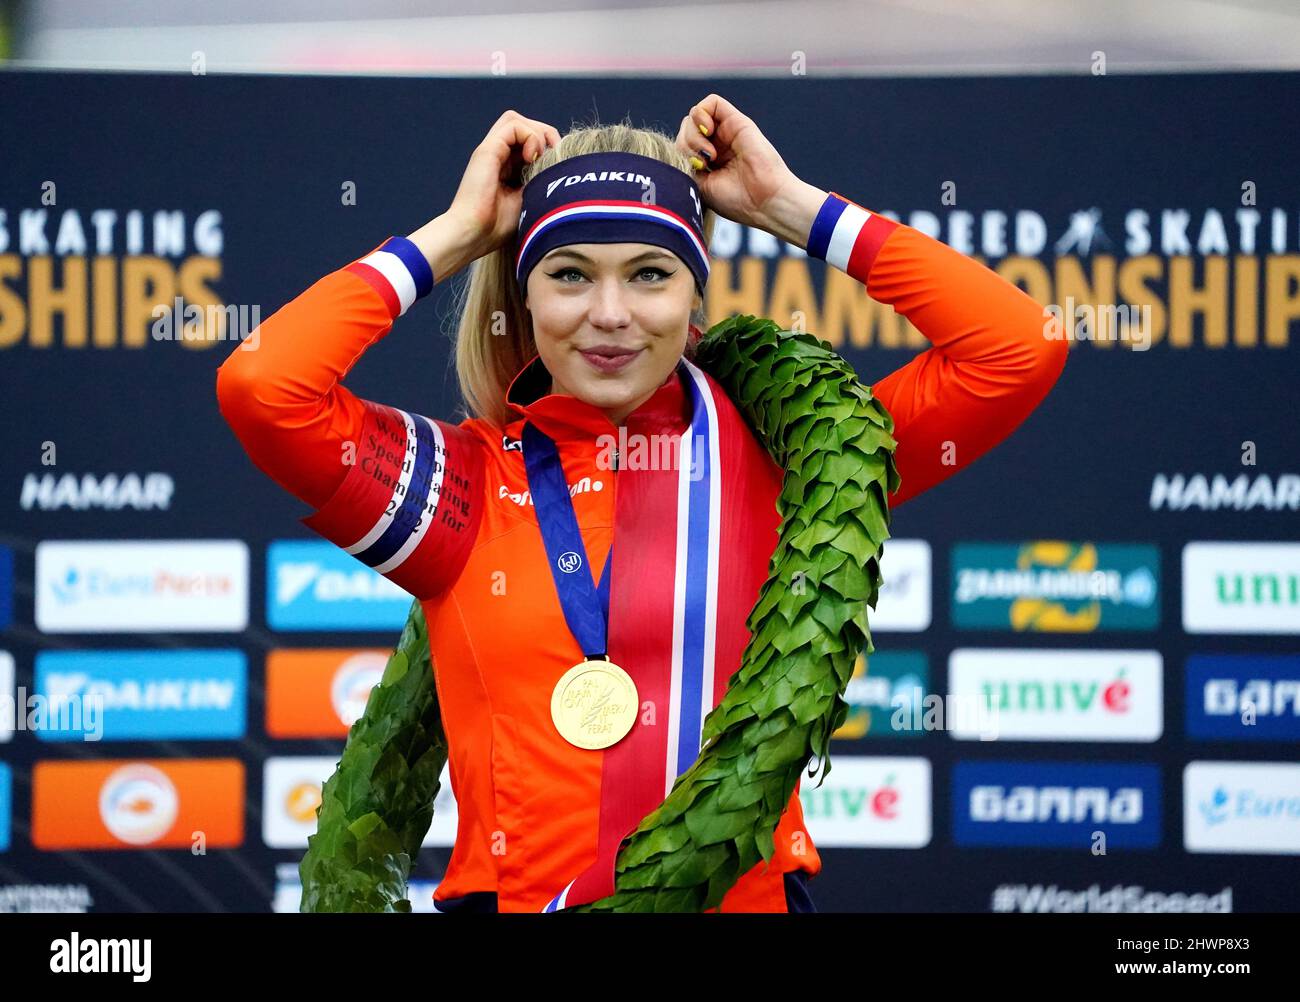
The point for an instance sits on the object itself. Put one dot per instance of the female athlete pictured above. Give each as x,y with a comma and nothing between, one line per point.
567,538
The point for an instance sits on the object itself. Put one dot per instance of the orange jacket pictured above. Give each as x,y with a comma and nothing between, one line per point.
471,550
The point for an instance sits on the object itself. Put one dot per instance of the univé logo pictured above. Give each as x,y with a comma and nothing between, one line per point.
869,801
1241,587
1061,695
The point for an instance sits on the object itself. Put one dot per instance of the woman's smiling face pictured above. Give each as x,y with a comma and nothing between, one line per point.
610,321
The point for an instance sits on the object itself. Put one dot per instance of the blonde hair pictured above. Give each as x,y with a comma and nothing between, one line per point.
494,334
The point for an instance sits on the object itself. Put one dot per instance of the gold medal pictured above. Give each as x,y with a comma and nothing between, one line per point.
594,704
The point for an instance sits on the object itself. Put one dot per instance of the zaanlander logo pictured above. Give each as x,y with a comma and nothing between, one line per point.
1056,586
1241,587
110,492
1243,492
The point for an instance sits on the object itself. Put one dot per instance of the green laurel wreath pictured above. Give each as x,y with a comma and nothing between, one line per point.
835,443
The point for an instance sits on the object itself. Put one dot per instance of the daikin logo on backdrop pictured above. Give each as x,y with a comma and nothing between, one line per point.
315,585
145,695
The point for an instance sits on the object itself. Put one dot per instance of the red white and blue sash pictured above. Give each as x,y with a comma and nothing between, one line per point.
691,545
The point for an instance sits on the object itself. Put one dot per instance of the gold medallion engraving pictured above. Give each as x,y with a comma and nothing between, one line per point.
594,704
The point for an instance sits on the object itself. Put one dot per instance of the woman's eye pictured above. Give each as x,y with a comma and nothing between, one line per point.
561,275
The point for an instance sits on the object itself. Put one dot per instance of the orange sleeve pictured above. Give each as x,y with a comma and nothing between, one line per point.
990,363
398,490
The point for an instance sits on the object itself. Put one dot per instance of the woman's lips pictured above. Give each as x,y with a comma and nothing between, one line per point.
609,363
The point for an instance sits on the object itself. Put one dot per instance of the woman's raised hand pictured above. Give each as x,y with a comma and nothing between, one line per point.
490,197
742,174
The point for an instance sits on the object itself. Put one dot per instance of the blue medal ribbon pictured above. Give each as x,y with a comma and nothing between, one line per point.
586,607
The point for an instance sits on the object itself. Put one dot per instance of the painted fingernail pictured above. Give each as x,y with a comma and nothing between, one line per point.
697,163
704,130
705,154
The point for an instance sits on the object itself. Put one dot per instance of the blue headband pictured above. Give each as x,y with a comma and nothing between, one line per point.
612,198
